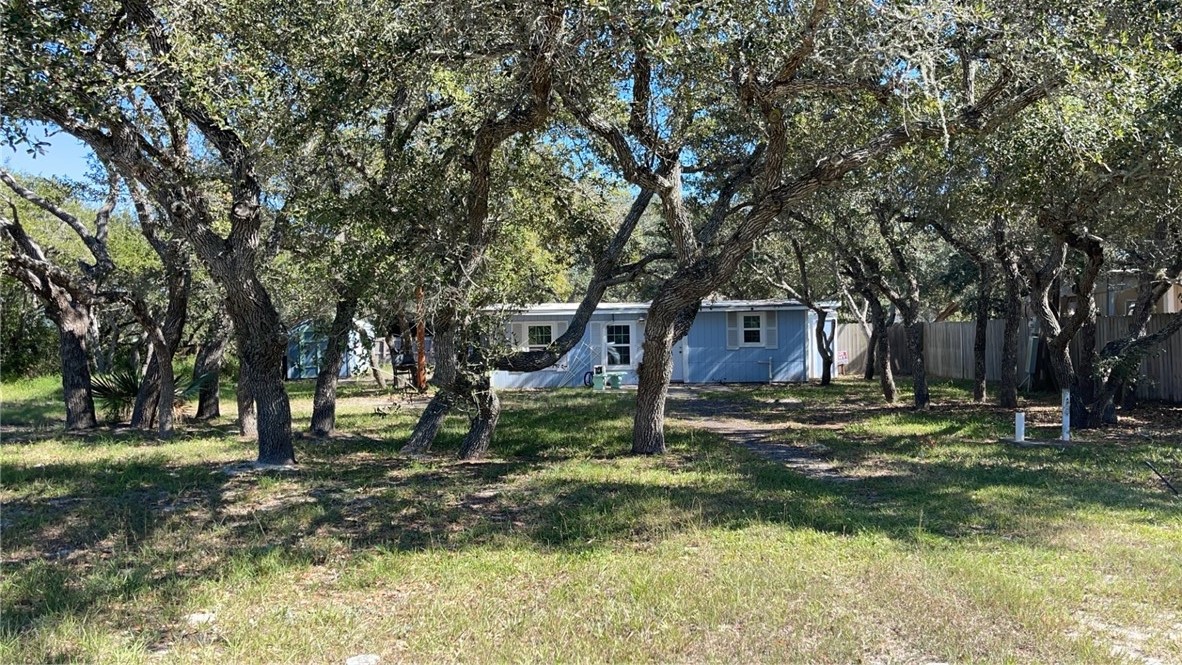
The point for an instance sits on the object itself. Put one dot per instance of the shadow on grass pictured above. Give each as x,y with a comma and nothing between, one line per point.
40,414
85,537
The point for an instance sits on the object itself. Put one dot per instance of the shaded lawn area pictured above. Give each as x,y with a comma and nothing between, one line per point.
946,547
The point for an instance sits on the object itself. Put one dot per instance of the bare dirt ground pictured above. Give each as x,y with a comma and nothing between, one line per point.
736,423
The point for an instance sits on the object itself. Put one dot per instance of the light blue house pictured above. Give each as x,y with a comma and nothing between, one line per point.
731,341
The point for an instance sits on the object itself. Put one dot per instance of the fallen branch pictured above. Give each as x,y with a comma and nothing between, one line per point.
1163,478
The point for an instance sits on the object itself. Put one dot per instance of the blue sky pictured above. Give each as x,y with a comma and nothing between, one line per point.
65,156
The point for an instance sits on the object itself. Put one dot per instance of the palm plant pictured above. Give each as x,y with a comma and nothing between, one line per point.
116,391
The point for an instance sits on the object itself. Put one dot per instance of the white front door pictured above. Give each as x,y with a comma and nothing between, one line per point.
680,360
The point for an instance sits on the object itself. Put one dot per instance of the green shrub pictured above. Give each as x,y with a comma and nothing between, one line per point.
28,340
116,391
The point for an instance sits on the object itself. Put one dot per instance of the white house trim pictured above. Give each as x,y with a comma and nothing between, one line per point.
760,328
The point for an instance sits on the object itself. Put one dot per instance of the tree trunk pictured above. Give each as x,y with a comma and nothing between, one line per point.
274,419
655,373
871,355
143,414
919,376
208,368
166,392
73,326
669,319
162,351
149,398
1064,372
1062,367
981,330
429,424
882,350
324,403
886,376
483,422
1083,387
1008,387
431,420
262,345
825,346
1057,338
375,368
247,420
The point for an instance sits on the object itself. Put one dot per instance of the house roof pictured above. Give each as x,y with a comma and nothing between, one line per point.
567,308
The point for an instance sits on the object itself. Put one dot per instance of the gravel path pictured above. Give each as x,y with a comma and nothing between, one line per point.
756,432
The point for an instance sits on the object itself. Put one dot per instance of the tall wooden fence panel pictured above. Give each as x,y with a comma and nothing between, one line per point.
1163,368
852,346
948,352
1160,374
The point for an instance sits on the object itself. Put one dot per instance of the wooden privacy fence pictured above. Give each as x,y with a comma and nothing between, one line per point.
850,339
948,352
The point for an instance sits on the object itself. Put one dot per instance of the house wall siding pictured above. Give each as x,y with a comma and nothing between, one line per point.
580,360
709,359
711,362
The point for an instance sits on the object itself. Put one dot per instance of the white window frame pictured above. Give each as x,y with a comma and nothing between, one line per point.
762,329
631,344
538,324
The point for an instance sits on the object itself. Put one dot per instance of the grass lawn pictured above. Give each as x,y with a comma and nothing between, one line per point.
944,546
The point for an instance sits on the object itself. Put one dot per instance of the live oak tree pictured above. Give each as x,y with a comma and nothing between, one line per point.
477,243
952,204
456,132
574,225
417,129
128,285
805,269
103,291
164,329
1156,264
859,77
1095,184
879,346
357,86
330,263
881,252
69,294
151,90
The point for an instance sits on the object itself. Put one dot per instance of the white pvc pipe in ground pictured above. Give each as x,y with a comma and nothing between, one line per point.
1066,435
1020,426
